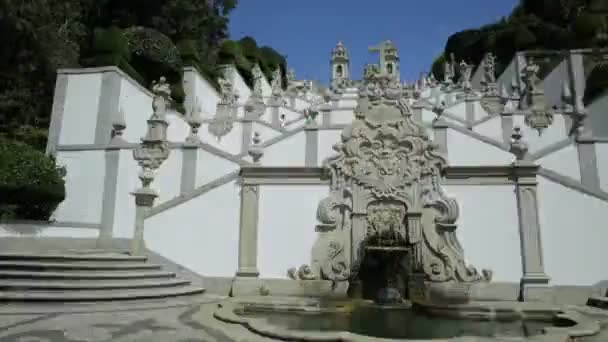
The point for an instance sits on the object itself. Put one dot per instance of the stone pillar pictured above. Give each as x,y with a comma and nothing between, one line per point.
440,135
144,200
534,282
110,186
325,112
248,231
506,122
248,224
312,144
247,133
274,114
150,154
587,161
417,112
470,110
189,164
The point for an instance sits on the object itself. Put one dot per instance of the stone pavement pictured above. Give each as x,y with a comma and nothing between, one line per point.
172,320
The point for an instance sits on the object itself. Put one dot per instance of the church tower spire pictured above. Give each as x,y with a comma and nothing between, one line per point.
340,63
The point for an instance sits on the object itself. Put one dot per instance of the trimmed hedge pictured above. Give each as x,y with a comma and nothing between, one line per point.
31,184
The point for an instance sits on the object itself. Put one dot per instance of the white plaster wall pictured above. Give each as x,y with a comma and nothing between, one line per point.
201,234
45,230
286,227
84,184
288,152
266,88
80,109
327,138
204,93
564,162
601,152
210,167
491,128
553,134
178,128
127,182
489,232
553,84
168,177
289,114
479,111
459,110
266,133
342,116
137,108
465,150
240,86
428,116
230,143
574,235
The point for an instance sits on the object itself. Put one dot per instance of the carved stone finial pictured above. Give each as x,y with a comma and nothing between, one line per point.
465,73
162,96
518,147
439,105
537,115
255,150
193,117
489,67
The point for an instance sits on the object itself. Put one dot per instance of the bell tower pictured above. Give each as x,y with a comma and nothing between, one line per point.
339,63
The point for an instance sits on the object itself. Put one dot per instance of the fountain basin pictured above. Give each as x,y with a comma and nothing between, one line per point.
365,321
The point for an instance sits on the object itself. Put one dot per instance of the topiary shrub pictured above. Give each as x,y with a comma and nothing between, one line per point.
597,83
110,47
31,183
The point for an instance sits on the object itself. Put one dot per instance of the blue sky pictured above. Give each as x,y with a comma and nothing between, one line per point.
306,30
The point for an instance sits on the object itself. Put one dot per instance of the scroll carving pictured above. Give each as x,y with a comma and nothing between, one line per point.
385,189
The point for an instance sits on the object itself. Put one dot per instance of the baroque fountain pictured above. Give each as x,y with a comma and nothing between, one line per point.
387,234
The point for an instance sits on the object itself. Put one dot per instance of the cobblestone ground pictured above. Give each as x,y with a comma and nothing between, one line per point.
168,321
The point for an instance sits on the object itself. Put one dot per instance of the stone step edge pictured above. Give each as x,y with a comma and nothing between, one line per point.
18,264
75,257
85,275
12,285
94,296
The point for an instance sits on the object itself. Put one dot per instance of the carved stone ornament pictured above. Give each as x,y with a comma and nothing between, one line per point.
537,115
258,76
385,190
466,71
226,111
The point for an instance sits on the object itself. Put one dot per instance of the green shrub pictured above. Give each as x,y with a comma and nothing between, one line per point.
189,53
31,184
597,83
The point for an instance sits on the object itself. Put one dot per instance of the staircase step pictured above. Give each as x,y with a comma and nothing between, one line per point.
94,296
110,257
34,285
85,275
45,265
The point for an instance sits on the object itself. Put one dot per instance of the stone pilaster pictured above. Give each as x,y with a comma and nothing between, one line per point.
109,101
417,112
247,133
248,232
59,100
534,282
587,161
325,113
440,135
470,110
274,114
189,164
311,131
506,123
110,186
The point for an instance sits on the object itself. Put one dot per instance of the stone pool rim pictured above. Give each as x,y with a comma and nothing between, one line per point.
227,312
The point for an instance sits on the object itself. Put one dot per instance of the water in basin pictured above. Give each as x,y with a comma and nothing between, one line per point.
381,322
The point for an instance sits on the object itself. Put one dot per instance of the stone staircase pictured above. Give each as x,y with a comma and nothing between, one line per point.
86,276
